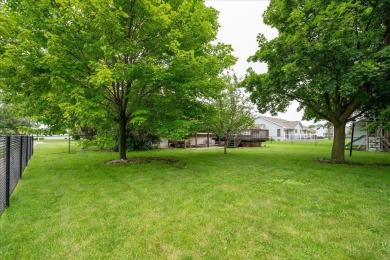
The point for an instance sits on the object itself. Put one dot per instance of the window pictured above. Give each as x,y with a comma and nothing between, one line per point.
296,131
278,132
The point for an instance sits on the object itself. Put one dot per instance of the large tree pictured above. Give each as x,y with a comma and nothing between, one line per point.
76,59
330,56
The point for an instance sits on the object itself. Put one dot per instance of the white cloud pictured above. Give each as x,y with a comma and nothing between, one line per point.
241,22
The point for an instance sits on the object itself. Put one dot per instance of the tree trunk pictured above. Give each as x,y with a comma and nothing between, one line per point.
122,138
387,32
226,144
338,143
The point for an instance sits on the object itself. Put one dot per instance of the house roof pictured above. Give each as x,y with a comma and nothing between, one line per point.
281,122
309,129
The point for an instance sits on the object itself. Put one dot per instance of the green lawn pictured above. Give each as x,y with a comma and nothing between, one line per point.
274,202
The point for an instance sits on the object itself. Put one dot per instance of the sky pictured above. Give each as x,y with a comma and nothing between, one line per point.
240,23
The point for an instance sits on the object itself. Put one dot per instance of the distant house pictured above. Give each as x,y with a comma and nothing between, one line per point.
281,129
325,131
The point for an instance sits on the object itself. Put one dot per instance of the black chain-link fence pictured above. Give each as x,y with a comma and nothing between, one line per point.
3,185
15,152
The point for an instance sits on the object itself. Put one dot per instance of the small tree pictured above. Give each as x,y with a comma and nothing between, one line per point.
232,112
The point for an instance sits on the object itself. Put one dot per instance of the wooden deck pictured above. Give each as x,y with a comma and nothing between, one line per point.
256,135
250,137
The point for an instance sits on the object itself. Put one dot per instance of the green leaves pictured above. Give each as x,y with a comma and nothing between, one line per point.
139,117
76,59
330,56
323,47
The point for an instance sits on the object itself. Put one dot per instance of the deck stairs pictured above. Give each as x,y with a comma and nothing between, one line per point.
234,143
386,144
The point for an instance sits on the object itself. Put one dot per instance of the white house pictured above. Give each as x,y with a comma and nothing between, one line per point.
325,131
281,129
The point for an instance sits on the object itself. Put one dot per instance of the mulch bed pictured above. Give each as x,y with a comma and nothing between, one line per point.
142,160
328,161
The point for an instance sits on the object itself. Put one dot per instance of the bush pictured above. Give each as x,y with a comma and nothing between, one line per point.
101,142
139,139
85,143
104,142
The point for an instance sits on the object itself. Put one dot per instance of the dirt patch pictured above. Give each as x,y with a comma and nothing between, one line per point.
143,160
327,161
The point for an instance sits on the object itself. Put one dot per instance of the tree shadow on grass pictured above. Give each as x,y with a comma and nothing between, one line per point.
134,160
328,161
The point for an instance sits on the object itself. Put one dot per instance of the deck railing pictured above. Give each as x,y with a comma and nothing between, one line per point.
253,135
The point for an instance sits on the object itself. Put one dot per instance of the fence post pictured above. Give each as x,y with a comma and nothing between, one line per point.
350,148
7,169
27,146
32,145
21,157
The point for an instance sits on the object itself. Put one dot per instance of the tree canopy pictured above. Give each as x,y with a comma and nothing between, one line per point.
12,123
330,56
75,61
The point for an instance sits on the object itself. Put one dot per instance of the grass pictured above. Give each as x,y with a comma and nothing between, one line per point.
274,202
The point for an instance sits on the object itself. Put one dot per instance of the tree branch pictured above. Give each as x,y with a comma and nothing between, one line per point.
349,110
357,116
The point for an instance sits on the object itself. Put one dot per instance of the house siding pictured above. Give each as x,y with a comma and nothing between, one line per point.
358,130
289,130
272,128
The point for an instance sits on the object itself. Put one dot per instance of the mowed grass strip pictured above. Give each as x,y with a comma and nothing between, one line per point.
273,202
